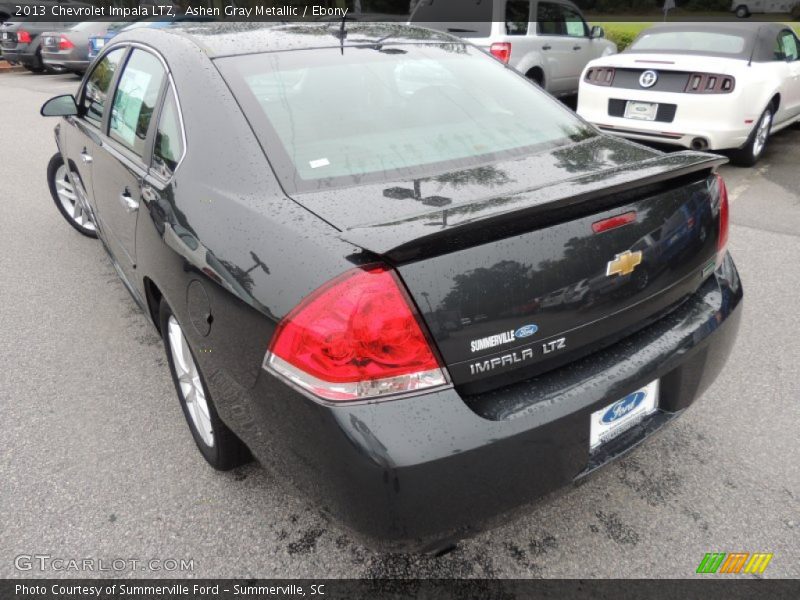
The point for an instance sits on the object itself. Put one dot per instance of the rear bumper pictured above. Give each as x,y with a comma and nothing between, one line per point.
20,57
415,472
56,60
720,120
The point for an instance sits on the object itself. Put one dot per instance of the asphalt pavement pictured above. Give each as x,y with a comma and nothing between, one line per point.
97,462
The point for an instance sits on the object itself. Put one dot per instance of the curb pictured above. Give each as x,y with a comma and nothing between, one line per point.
7,68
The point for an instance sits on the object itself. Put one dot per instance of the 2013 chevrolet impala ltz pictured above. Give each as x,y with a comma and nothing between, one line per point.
392,268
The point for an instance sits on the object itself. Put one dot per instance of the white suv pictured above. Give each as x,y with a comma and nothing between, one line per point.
546,40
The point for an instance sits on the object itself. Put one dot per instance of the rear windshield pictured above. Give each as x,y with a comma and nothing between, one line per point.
690,42
332,119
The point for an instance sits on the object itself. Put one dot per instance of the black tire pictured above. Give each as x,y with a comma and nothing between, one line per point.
749,154
227,451
742,12
38,65
84,228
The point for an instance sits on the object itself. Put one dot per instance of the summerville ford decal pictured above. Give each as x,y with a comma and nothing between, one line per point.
505,337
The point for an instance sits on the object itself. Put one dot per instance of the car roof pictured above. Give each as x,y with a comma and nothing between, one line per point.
234,38
748,29
759,37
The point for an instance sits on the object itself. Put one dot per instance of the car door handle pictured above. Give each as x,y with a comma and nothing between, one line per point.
86,157
546,47
130,203
577,47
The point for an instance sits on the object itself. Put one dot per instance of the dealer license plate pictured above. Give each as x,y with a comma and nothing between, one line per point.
644,111
616,418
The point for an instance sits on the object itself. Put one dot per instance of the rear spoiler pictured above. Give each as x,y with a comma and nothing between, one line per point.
446,230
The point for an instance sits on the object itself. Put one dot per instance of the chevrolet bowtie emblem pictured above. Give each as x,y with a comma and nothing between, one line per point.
624,264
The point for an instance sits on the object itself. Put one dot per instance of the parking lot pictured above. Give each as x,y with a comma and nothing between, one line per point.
97,460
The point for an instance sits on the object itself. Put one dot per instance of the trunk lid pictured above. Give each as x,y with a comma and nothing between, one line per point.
505,267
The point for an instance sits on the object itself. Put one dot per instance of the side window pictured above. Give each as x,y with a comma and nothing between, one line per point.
518,13
549,20
574,24
96,92
135,99
789,46
169,138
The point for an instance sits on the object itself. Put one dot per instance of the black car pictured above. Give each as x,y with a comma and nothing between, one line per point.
345,238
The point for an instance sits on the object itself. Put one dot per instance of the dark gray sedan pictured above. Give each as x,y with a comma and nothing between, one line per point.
68,48
345,234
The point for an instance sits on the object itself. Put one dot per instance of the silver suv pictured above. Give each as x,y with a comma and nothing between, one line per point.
546,40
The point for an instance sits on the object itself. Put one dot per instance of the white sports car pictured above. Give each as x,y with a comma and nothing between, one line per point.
715,86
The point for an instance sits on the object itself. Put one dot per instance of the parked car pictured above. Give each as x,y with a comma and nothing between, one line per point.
69,48
716,86
21,42
548,41
745,8
239,183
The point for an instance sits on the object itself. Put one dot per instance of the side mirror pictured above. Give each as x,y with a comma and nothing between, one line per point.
598,32
60,106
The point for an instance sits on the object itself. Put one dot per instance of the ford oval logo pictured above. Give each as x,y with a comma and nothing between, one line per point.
625,406
526,331
648,79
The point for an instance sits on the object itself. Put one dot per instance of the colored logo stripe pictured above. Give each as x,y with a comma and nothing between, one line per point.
733,562
711,562
758,562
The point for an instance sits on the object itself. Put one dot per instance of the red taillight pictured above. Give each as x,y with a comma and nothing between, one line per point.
724,220
23,37
501,51
355,338
65,44
614,222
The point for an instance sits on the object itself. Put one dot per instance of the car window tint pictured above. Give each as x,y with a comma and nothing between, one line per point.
549,19
517,17
789,46
94,96
690,41
342,118
169,139
134,100
574,24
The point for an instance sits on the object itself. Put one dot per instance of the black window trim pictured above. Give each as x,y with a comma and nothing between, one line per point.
586,29
162,101
781,34
111,86
532,4
143,161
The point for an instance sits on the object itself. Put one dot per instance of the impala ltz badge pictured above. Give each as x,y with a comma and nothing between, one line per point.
624,264
648,79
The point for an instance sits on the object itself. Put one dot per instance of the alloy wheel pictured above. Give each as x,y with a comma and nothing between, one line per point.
191,387
762,133
68,197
